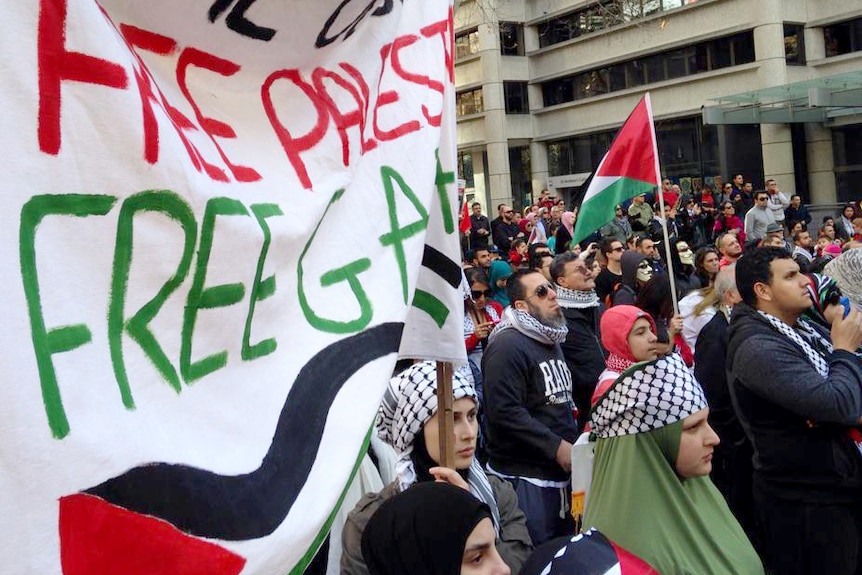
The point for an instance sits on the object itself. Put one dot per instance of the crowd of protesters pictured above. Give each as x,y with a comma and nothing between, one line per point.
719,433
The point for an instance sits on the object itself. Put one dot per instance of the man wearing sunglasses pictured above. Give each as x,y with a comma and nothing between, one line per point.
759,217
528,396
505,231
576,294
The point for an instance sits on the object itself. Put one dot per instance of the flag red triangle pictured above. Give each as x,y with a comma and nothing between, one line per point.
632,153
98,538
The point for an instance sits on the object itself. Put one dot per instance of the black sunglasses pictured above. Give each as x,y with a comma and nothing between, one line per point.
477,294
542,291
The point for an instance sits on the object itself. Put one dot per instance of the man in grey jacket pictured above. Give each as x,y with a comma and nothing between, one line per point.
797,392
759,217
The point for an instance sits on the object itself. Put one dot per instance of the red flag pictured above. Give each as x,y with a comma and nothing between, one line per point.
464,225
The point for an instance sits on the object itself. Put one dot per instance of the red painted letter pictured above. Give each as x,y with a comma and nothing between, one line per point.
293,147
213,128
56,64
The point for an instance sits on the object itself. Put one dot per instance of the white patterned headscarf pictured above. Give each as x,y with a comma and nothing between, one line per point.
648,396
411,400
408,403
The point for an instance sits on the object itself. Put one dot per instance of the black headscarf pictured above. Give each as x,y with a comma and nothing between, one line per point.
423,462
422,531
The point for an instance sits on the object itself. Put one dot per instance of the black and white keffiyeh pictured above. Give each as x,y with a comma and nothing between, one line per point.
648,396
408,403
815,346
529,326
411,400
577,299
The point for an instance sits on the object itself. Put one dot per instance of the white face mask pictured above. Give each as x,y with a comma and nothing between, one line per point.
644,272
686,256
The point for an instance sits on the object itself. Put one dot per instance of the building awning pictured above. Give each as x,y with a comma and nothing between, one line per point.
818,100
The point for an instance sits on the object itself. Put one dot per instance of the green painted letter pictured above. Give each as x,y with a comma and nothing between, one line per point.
66,338
200,298
171,205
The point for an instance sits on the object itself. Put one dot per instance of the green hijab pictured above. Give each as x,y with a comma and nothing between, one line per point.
679,526
499,270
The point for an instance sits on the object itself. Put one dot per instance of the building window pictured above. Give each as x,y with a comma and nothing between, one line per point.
467,43
515,94
843,37
601,16
511,39
687,61
465,168
794,44
520,175
469,102
847,153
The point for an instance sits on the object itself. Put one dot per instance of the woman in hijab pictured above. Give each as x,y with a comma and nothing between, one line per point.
498,273
651,492
564,232
432,529
407,420
481,314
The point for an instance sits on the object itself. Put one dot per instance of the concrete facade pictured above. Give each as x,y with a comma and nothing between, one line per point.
491,133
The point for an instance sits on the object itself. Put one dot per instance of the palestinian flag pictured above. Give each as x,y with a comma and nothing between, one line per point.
630,168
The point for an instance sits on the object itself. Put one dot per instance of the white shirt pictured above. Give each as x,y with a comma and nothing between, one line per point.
692,324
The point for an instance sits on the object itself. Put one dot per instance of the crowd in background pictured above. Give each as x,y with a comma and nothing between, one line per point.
690,410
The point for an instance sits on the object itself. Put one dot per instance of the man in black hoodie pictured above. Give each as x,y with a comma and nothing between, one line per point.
637,270
798,394
529,405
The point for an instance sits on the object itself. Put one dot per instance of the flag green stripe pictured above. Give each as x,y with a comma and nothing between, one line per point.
599,210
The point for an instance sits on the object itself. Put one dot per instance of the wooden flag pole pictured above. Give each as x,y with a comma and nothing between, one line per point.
446,414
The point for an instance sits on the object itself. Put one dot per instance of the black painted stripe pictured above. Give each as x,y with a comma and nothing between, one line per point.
242,507
439,263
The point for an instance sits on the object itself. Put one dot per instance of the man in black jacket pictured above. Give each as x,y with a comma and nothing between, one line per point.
576,294
731,463
798,394
505,230
528,399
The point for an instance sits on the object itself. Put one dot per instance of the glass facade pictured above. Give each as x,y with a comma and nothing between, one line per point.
794,44
601,16
511,39
847,153
465,168
469,102
690,153
521,176
515,96
467,43
843,37
703,57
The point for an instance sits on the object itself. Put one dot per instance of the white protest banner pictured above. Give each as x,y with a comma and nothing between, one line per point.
219,218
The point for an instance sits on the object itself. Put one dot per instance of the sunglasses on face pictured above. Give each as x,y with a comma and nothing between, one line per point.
542,291
477,294
618,249
508,211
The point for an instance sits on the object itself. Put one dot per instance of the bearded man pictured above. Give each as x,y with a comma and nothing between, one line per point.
528,396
